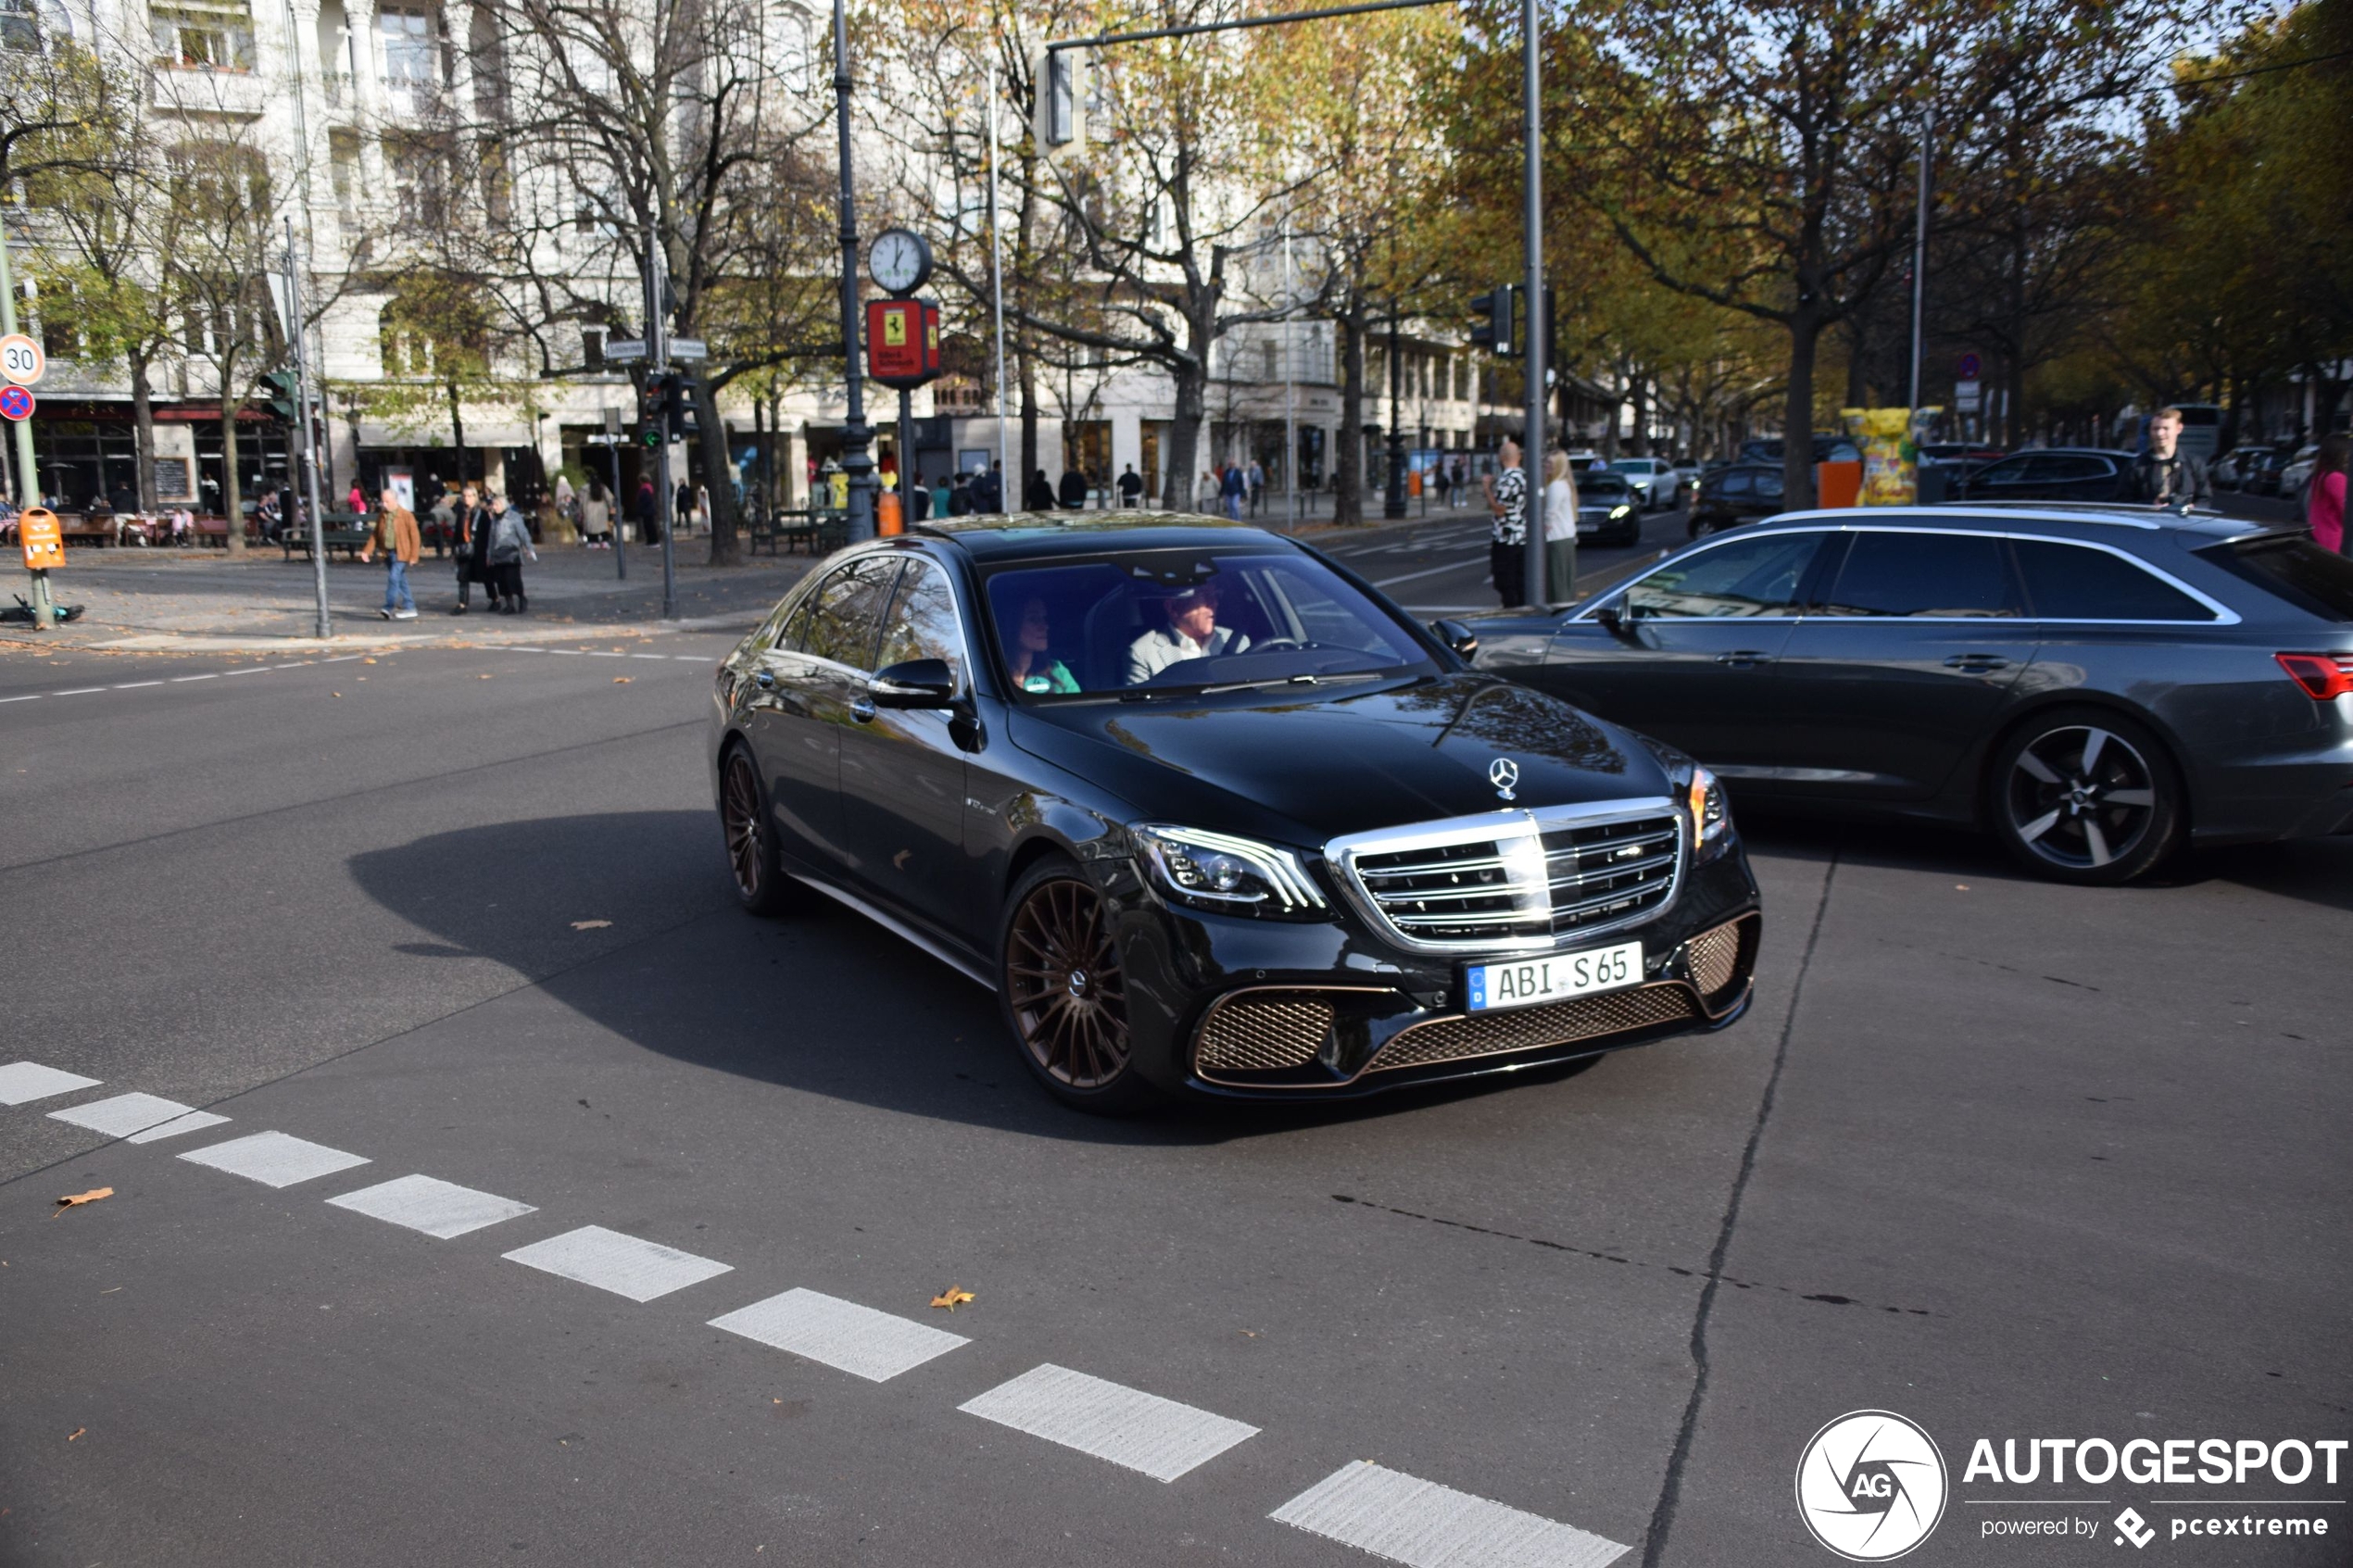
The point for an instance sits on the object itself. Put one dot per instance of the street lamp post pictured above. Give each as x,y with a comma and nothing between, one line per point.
1919,251
1531,455
855,463
1393,494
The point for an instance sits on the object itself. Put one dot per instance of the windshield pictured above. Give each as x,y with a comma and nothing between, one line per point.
2292,567
1603,487
1142,623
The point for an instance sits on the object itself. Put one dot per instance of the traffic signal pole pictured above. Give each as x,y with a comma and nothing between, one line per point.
1531,455
855,461
657,368
300,336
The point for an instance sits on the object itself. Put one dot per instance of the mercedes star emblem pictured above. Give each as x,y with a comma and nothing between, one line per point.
1503,773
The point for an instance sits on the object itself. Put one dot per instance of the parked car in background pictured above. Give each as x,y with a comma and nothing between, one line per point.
2259,471
1960,454
2228,471
1609,510
2298,472
2093,685
1735,493
1826,449
2049,473
1652,479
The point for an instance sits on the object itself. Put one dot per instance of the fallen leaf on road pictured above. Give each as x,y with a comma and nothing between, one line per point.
74,1200
590,925
952,1298
367,661
482,677
623,680
335,694
76,1433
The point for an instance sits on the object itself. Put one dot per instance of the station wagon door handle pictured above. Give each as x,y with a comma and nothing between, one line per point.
1977,663
862,709
1744,658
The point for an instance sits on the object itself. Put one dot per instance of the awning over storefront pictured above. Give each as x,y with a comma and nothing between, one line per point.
504,433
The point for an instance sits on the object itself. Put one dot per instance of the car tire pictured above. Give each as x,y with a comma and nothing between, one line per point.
1063,991
2086,795
749,833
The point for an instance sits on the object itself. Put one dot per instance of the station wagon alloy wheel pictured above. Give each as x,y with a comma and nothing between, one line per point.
2086,800
1063,985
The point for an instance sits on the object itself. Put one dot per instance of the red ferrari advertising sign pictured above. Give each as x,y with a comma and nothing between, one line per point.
902,341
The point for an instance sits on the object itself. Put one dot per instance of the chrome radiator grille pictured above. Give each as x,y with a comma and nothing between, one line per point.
1518,880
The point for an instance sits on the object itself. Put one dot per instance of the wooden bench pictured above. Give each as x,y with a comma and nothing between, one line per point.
80,528
214,531
792,527
349,540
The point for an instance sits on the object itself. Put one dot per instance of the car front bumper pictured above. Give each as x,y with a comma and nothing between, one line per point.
1234,1008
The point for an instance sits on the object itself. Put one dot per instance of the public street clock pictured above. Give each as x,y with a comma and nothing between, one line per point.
899,260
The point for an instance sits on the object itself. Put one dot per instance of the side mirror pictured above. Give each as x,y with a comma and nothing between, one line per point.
1611,619
915,682
1457,636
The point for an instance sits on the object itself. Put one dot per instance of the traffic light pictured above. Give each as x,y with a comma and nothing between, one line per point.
652,422
282,385
680,405
1496,328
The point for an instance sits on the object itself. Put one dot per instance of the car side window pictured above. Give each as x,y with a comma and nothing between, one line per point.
922,623
840,620
1758,575
2009,471
2077,583
2057,467
1938,576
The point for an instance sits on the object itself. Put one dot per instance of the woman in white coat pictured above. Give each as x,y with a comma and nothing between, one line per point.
1560,530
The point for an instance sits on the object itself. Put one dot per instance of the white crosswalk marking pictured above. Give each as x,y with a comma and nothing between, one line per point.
622,1264
195,1122
1423,1524
1125,1426
875,1346
24,1081
122,1115
437,1208
277,1159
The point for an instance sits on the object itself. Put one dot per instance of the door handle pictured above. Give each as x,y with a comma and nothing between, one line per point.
765,679
1743,658
1977,663
862,709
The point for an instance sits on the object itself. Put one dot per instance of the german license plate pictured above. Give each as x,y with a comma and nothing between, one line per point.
1526,982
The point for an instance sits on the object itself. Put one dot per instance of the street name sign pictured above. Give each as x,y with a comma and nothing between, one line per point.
622,350
689,348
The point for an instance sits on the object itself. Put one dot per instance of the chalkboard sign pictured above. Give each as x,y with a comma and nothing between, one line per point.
171,480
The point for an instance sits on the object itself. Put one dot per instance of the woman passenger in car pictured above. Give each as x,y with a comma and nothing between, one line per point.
1033,668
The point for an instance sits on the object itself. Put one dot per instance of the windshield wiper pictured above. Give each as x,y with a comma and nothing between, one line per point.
1292,681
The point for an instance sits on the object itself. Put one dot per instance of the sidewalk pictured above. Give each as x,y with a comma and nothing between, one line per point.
186,601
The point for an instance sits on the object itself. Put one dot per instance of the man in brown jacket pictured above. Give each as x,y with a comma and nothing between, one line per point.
396,530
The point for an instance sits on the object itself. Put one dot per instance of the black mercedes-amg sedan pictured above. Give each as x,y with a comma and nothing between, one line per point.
2095,685
1212,817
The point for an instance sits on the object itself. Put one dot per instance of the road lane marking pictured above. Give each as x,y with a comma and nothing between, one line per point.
1463,565
693,657
858,1340
342,658
574,652
277,1159
595,654
122,1115
195,1122
79,691
179,680
134,686
437,1208
24,1081
649,656
249,669
1423,1524
622,1264
34,697
1125,1426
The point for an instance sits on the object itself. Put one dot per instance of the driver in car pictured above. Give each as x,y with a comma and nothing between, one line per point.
1192,633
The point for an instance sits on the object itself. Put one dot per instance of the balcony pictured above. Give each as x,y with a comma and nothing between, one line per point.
210,91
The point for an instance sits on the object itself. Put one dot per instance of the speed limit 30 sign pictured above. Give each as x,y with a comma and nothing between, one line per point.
21,361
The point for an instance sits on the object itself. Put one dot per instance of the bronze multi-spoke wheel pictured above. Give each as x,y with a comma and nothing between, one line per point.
1064,992
751,850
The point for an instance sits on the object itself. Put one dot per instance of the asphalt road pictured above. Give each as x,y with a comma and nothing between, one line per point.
1437,564
2012,1160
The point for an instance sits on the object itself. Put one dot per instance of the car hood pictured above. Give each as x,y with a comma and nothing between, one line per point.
1303,769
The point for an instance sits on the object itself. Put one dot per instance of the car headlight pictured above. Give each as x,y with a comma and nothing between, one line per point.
1216,870
1710,814
1620,511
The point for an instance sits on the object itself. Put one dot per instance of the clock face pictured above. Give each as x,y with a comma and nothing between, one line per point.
899,260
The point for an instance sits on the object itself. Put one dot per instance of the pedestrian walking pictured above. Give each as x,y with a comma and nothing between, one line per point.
942,490
2324,495
474,522
1257,487
1131,487
1038,495
396,534
1560,530
649,513
2166,476
681,516
1235,488
356,500
1073,493
1507,541
509,547
960,497
595,518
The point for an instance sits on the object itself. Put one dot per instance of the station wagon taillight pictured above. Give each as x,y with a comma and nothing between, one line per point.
2323,676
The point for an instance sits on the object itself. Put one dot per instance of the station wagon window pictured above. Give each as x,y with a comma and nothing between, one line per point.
2293,568
1755,576
2076,582
840,621
922,623
1931,576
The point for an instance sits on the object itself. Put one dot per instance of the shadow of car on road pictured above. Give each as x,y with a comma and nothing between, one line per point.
821,1002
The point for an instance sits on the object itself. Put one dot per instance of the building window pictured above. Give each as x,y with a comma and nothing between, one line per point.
412,45
19,25
207,34
60,337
